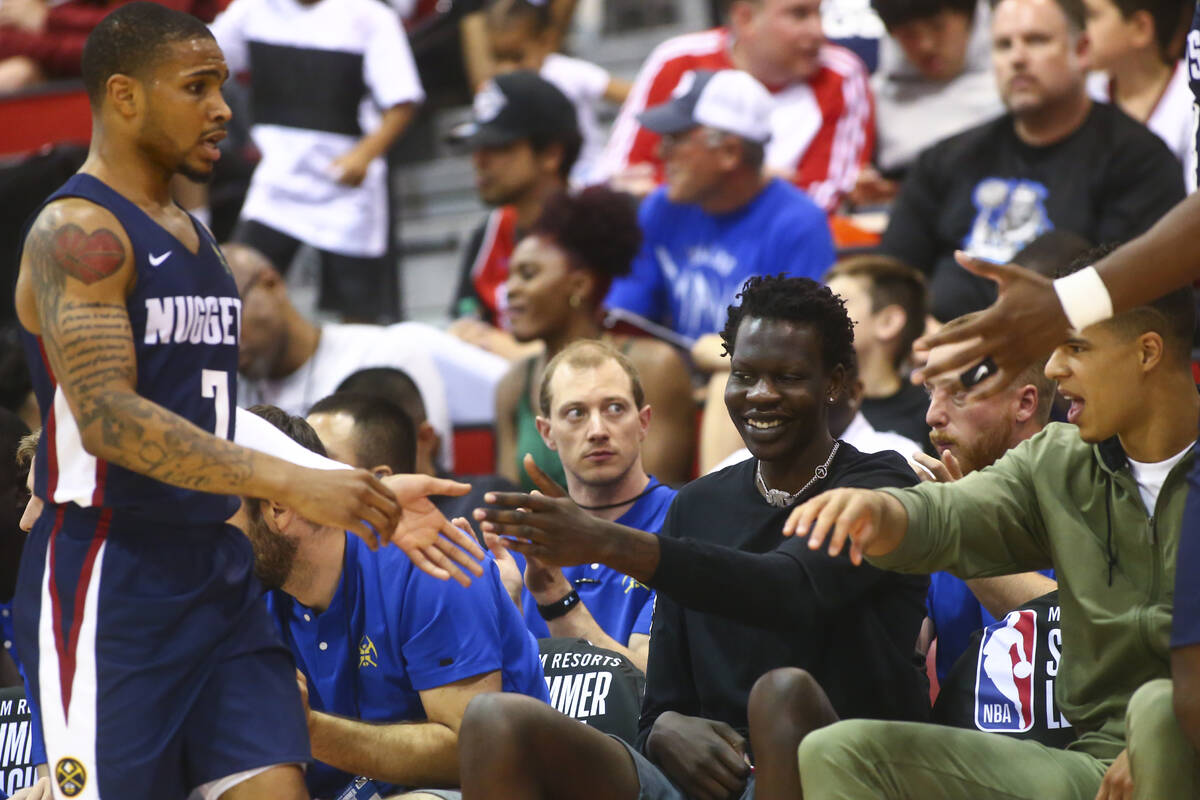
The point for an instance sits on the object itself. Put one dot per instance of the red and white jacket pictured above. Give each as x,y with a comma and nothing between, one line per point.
823,128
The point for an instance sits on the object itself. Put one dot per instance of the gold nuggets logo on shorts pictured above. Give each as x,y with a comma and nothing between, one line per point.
367,655
70,776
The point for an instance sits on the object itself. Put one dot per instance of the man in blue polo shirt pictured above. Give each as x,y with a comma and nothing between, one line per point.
597,422
377,642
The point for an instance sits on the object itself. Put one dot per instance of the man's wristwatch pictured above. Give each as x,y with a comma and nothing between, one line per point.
559,607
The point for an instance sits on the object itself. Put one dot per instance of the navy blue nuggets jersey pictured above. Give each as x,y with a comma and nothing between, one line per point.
185,313
154,665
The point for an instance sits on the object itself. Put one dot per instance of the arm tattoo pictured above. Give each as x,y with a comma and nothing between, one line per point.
90,347
87,257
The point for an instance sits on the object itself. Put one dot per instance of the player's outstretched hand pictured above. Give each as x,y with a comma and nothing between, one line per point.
1024,324
873,522
553,530
426,536
351,499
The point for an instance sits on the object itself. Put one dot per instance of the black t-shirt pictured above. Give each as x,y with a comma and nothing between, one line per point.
599,687
902,413
1009,687
987,192
736,599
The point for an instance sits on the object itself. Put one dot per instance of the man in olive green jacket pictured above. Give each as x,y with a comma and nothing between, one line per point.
1102,504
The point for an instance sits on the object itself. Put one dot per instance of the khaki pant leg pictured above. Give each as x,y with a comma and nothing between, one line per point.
1161,759
867,760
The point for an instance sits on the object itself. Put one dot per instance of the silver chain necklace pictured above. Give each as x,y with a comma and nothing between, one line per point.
781,499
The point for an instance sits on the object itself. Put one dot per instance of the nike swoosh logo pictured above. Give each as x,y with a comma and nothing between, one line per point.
981,372
156,260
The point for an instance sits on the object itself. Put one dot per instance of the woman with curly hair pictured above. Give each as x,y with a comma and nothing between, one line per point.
558,277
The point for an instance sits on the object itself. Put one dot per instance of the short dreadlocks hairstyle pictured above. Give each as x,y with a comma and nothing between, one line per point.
798,300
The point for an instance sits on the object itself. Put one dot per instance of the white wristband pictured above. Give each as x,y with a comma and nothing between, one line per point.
1084,297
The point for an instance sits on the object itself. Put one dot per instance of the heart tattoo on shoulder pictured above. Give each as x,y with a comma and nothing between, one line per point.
88,257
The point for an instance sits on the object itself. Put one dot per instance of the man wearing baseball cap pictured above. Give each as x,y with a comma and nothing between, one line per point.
717,220
524,138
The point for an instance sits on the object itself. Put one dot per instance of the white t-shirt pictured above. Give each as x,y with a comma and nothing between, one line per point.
860,434
293,189
345,349
584,84
1150,477
1171,119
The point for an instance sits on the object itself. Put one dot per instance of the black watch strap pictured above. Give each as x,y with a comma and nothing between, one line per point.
559,607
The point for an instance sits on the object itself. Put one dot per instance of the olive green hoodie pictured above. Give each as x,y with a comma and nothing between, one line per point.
1056,501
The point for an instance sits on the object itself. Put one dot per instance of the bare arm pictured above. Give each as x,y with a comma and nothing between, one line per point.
547,585
76,270
670,442
617,90
477,52
1004,593
352,167
410,753
508,395
874,522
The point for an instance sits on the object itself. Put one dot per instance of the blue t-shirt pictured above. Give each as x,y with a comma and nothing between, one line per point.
620,605
692,264
392,631
956,615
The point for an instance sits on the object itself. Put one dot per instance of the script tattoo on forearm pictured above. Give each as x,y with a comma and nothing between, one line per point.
90,348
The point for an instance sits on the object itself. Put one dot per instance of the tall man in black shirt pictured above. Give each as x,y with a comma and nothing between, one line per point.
1056,160
734,599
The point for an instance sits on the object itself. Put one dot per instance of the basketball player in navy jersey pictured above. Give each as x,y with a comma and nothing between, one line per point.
157,670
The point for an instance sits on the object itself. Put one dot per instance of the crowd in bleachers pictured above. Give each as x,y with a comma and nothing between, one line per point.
675,343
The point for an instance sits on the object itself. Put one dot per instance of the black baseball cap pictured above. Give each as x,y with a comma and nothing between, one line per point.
513,106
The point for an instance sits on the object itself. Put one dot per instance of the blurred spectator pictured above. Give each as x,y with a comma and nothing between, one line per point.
822,128
43,40
521,37
524,138
594,413
887,301
287,361
16,384
718,220
388,657
970,434
1055,160
398,387
1136,47
934,80
560,273
334,86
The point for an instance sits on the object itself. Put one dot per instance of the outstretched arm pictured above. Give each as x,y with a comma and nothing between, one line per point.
76,271
1027,321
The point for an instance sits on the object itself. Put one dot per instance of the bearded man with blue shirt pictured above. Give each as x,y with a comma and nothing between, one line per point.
718,219
388,659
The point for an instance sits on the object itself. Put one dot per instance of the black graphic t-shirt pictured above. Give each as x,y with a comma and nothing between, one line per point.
1004,682
987,192
593,685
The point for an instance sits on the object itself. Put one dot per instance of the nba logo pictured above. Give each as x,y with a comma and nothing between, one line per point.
1004,675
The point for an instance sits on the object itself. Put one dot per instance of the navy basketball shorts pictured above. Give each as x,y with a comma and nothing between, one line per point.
1185,621
156,666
